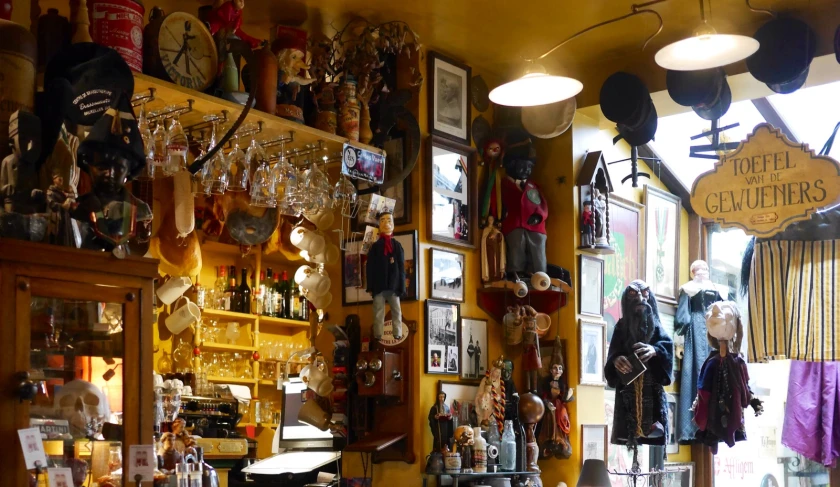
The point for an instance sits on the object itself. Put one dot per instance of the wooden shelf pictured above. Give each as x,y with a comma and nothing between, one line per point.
268,425
226,347
268,320
229,315
268,382
231,380
167,93
243,425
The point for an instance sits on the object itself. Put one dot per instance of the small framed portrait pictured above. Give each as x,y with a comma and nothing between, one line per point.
354,273
678,475
591,286
662,243
443,333
447,275
593,350
672,446
474,348
449,106
593,442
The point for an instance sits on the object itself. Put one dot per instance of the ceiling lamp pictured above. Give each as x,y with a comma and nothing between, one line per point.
537,87
705,49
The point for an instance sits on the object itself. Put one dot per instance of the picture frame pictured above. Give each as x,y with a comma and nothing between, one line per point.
396,150
591,286
662,243
450,114
446,279
353,274
442,337
475,348
673,445
593,352
678,474
450,176
593,442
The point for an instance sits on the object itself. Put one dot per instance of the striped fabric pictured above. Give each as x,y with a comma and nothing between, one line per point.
795,301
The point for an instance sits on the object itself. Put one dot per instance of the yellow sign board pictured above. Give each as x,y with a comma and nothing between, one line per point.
766,184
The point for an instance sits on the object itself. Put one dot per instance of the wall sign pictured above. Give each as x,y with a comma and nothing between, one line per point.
363,164
767,184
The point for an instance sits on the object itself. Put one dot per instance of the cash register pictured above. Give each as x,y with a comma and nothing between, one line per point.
302,452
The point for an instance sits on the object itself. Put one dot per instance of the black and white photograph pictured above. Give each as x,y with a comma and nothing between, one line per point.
593,442
672,446
443,326
448,275
474,351
449,106
592,353
354,276
591,286
678,475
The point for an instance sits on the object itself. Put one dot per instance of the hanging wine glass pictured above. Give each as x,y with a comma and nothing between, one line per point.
285,185
316,187
344,192
159,142
176,146
148,145
263,187
197,180
240,173
216,174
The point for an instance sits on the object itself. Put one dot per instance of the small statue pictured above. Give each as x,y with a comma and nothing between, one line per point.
183,440
464,441
556,425
493,252
62,229
227,20
440,422
490,399
386,276
113,154
599,207
724,390
170,456
531,360
290,49
18,177
587,225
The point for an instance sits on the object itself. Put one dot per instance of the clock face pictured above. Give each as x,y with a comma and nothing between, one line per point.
187,51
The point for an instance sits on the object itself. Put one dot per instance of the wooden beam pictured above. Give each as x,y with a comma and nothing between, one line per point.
771,116
667,176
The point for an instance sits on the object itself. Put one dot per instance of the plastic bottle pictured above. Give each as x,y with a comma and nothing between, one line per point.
508,454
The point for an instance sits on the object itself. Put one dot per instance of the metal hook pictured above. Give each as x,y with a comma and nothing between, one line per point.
761,10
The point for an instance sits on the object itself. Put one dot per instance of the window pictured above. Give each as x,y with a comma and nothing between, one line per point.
811,114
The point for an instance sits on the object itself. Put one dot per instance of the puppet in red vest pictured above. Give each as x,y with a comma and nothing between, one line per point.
524,209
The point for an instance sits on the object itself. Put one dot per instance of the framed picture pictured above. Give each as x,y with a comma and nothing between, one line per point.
447,275
672,446
662,243
450,176
449,105
593,350
395,150
667,312
591,286
474,348
443,329
678,475
593,442
354,274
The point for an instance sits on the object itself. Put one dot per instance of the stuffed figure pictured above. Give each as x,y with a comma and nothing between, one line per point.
227,19
290,49
556,394
386,276
641,406
587,225
723,392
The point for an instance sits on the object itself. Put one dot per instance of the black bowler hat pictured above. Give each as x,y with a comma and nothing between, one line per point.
519,146
116,130
792,85
787,47
623,99
715,109
690,88
643,132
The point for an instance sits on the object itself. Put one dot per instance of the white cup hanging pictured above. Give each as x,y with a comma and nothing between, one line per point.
307,240
173,289
183,317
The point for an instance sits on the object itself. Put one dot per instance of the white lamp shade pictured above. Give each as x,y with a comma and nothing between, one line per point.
535,88
705,51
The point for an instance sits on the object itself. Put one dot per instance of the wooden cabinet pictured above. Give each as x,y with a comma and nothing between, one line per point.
69,315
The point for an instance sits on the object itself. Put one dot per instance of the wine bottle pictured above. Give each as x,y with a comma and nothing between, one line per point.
286,289
231,293
220,285
268,293
244,293
259,295
304,306
277,296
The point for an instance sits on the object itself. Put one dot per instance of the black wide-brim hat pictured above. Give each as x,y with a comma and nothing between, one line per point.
792,85
787,47
643,132
116,130
623,99
716,108
519,146
690,88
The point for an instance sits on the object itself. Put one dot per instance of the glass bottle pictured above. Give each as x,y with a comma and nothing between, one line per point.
244,293
266,287
494,444
159,143
220,286
114,457
259,294
231,299
303,305
508,453
278,297
200,294
286,290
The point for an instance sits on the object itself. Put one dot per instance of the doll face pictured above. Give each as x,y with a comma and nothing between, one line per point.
109,172
722,320
495,375
520,169
386,223
507,372
556,371
700,270
493,150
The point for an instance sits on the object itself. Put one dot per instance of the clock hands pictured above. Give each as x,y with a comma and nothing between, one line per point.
184,49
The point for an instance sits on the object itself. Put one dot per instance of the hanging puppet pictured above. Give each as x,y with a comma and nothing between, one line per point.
638,366
386,276
556,394
695,297
724,392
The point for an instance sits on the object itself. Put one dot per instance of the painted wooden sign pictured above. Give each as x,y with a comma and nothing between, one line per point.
766,184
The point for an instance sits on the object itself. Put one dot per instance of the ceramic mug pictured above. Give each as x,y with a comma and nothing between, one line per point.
302,273
180,319
312,414
320,302
307,240
319,381
317,284
325,219
173,289
540,281
543,323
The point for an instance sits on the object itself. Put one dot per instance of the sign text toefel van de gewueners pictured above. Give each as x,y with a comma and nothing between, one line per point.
766,184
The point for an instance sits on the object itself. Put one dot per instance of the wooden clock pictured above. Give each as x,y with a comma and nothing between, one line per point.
181,49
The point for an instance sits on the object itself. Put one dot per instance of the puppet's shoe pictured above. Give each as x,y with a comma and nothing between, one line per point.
656,430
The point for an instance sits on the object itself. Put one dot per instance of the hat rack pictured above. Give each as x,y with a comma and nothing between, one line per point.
716,145
634,166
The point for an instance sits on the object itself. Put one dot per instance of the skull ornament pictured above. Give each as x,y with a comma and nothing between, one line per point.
464,435
84,406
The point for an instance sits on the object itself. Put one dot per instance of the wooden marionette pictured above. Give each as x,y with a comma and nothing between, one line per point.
531,361
290,49
723,383
556,394
490,400
493,251
386,276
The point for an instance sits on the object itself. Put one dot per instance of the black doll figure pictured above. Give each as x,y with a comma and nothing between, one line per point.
386,276
112,154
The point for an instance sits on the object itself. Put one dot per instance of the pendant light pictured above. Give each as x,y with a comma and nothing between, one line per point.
705,49
537,87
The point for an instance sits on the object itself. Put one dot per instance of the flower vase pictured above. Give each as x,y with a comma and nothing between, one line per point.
365,134
349,121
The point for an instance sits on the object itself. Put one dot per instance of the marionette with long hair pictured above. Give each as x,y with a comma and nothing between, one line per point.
723,389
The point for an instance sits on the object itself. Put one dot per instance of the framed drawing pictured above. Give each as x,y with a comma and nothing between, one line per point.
593,442
447,275
442,337
474,348
450,177
591,286
678,475
449,106
354,275
662,243
593,350
672,446
396,149
623,266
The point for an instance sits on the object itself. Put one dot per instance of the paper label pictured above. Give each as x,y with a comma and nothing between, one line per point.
60,477
141,461
33,448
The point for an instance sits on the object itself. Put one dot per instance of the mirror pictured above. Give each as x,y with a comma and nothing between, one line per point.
452,173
